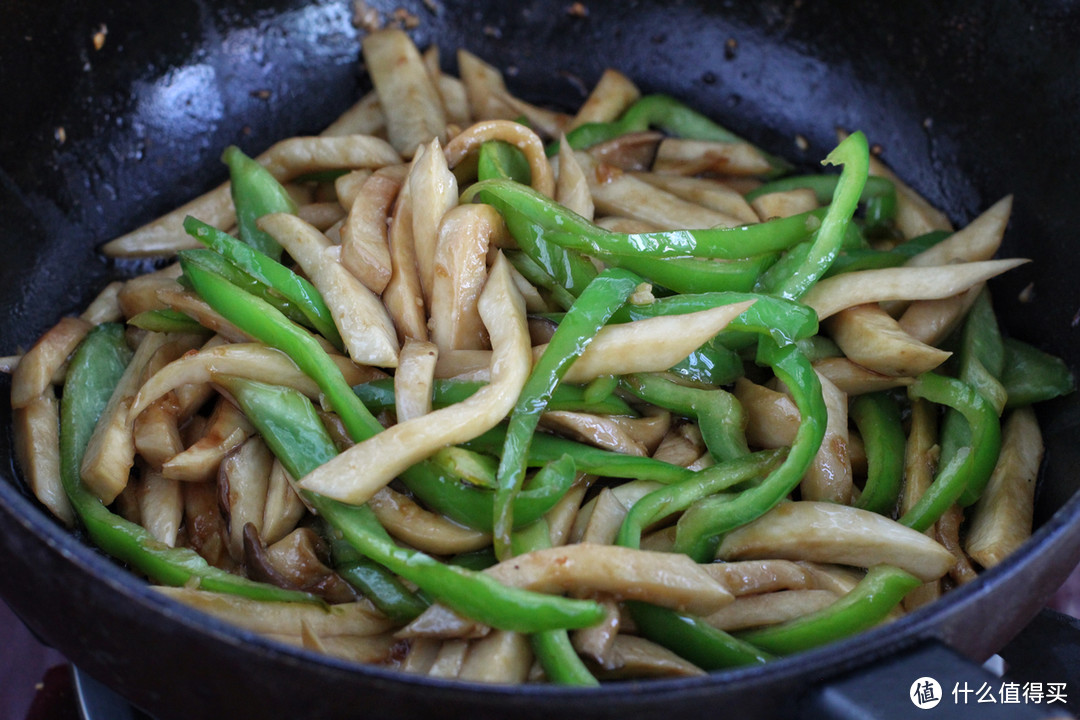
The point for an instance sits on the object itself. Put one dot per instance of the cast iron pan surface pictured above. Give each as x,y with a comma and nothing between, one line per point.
966,103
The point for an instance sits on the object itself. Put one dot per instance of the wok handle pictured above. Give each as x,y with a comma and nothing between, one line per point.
1045,657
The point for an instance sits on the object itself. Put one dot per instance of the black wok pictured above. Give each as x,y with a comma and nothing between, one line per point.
967,103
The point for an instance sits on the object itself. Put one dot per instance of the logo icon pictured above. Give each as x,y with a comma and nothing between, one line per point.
925,693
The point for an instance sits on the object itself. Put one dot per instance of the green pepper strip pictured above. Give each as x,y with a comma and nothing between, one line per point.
718,413
166,320
695,275
528,216
785,321
290,426
701,525
711,364
574,232
865,606
378,584
694,639
561,663
500,159
879,195
1032,376
675,498
592,460
539,277
854,154
980,360
970,467
94,371
603,296
255,192
378,395
261,320
877,416
215,263
663,112
869,259
265,269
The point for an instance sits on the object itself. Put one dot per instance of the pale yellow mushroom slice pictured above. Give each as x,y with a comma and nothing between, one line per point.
422,529
692,157
601,431
356,619
650,345
189,303
36,430
682,445
631,153
750,577
414,379
771,416
829,475
321,215
349,186
561,518
872,338
254,361
283,508
833,294
285,160
432,183
420,656
921,452
156,429
365,247
459,274
617,193
979,240
547,123
854,379
625,494
244,478
41,363
785,203
1002,518
831,533
673,581
404,296
947,532
364,117
610,97
451,90
110,454
931,321
140,293
635,657
410,101
572,186
366,329
605,519
226,430
707,192
106,306
372,649
521,137
484,88
161,506
596,641
501,657
356,474
770,608
449,660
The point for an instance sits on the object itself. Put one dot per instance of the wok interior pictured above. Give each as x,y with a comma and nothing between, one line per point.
963,107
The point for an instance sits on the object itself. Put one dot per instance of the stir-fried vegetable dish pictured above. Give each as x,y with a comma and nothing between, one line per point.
475,389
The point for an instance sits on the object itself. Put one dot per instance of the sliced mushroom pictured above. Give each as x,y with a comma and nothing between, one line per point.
826,532
612,94
693,157
871,338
